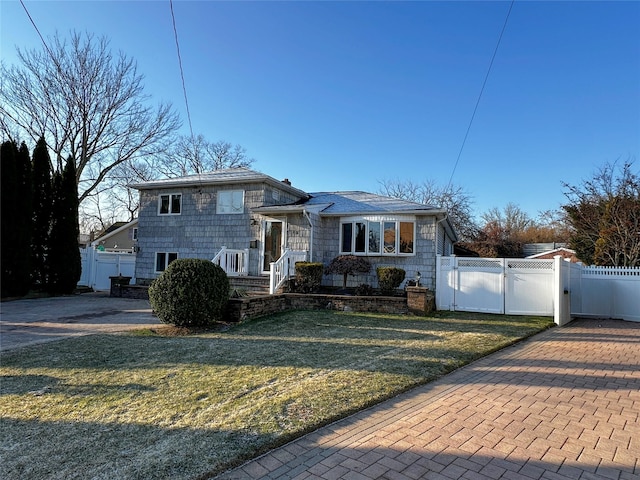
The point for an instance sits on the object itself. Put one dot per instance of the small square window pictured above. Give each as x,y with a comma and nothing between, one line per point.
230,201
170,204
163,259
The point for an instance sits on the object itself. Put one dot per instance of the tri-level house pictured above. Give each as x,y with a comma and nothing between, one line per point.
256,226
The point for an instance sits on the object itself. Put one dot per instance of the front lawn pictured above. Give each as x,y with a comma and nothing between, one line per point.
143,405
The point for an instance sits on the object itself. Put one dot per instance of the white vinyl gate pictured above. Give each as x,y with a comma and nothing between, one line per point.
97,267
513,286
520,286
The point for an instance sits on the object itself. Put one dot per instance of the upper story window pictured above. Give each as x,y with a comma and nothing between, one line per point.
163,259
230,201
170,204
388,237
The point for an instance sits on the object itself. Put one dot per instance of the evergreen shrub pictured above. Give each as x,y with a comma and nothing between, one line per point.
190,292
389,278
308,276
364,290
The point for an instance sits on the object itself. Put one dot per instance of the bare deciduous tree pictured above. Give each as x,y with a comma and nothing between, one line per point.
88,104
511,221
604,212
456,200
198,155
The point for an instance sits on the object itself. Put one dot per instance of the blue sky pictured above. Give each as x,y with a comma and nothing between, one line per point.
342,95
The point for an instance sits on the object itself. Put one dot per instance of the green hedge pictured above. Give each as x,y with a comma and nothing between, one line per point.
389,278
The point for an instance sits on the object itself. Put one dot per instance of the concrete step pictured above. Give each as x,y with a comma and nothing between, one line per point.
252,285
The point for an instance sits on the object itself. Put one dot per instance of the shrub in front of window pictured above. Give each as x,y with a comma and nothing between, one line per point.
308,276
190,292
346,265
389,278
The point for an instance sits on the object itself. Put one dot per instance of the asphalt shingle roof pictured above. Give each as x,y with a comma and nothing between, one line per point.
356,202
228,176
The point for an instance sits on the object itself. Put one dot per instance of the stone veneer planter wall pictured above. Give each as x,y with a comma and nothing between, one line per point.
246,308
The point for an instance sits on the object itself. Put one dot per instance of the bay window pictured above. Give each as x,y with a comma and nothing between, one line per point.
377,237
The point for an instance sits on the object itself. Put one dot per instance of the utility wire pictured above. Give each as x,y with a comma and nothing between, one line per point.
38,31
484,83
184,88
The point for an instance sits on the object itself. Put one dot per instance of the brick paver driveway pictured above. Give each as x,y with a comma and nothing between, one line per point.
563,405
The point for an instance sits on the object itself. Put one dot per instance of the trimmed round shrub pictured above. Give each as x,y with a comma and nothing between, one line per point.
389,278
308,276
190,292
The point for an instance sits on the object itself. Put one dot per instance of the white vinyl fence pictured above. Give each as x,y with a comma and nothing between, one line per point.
519,286
98,266
514,286
607,292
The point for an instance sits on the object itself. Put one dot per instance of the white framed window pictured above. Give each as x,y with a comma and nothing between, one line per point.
230,201
134,233
393,237
169,204
163,259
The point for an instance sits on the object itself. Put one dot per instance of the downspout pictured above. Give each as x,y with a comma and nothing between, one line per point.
446,215
306,215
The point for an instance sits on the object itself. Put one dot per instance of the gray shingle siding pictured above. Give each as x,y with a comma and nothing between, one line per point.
199,232
423,261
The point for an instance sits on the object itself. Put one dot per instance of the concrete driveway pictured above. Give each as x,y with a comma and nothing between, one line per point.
28,322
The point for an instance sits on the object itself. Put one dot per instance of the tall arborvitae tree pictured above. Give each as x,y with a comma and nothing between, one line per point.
64,254
16,219
8,193
42,201
24,207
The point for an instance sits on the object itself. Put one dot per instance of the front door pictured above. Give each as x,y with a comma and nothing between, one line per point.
273,242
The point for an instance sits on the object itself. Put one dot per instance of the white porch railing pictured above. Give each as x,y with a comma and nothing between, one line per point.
283,268
234,262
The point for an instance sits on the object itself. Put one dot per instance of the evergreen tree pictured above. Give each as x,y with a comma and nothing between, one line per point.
24,212
16,219
8,194
42,200
64,254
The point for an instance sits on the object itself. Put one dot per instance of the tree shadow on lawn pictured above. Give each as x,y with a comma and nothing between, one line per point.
34,449
421,348
38,385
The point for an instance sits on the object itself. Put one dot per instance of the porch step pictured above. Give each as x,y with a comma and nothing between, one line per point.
252,285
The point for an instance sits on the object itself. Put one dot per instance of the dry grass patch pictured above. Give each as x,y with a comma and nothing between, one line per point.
168,405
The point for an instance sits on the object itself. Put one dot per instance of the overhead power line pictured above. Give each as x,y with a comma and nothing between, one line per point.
484,83
184,88
36,28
